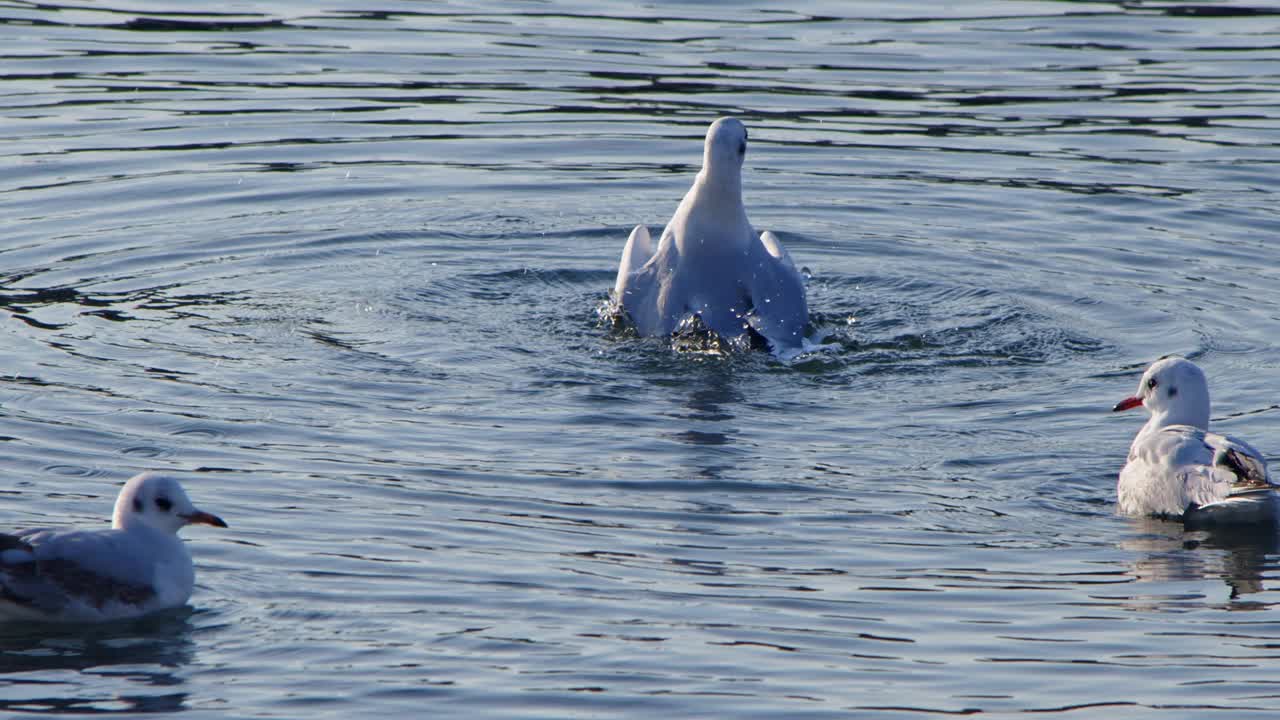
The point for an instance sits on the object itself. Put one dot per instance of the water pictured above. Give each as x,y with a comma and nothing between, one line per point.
341,269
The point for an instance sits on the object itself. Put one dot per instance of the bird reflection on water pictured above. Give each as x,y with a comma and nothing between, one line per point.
1240,556
90,661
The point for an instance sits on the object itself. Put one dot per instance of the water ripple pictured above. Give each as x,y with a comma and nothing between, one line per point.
342,267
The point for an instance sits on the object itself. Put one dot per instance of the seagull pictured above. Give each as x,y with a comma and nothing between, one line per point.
710,263
1177,468
137,567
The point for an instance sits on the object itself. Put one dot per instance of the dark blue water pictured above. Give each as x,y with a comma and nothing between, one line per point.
341,267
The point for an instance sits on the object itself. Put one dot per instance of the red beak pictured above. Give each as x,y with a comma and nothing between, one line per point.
199,517
1128,403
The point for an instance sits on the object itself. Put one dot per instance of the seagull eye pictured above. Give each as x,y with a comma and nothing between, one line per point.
1151,384
164,504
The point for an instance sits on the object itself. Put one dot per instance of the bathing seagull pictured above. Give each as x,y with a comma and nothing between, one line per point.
137,567
1177,468
710,263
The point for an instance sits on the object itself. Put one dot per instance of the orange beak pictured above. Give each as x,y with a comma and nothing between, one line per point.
1128,403
199,517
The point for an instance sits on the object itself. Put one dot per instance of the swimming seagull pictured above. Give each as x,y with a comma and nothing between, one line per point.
710,263
137,567
1177,468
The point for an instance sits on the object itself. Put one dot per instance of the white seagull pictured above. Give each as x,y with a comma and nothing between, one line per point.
710,263
137,567
1177,468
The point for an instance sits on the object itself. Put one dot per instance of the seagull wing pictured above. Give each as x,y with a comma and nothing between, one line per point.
775,288
647,284
1169,471
1250,497
1182,469
43,571
1241,459
637,252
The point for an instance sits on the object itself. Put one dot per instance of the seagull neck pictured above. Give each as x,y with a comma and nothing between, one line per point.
715,204
1197,417
722,188
136,526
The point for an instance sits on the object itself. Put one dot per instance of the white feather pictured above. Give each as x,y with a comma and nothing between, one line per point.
709,261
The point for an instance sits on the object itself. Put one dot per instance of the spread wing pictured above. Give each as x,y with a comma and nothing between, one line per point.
766,293
775,288
635,254
647,284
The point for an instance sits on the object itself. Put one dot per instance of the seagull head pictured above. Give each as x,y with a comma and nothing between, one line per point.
158,502
725,148
1174,390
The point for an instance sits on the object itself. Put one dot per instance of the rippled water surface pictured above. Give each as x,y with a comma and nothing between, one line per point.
340,266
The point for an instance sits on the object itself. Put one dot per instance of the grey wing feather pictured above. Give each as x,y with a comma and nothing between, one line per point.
779,309
1250,498
637,252
1182,454
1245,462
647,286
21,581
774,247
39,569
